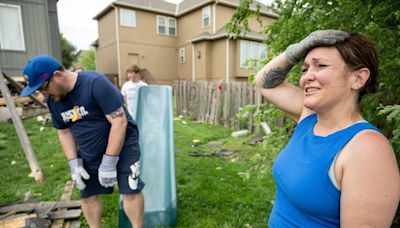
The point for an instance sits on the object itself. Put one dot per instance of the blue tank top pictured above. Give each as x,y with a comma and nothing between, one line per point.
305,195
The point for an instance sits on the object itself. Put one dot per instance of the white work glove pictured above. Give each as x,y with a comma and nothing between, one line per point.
133,179
108,171
78,172
295,52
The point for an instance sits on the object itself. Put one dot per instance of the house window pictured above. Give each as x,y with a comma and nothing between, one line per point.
182,55
250,50
206,16
128,18
166,25
11,31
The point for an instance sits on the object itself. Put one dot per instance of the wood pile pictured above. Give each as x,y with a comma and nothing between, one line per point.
32,105
59,214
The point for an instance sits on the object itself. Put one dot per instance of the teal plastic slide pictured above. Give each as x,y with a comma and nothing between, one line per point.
154,118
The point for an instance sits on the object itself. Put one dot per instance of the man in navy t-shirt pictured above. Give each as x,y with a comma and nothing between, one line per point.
98,138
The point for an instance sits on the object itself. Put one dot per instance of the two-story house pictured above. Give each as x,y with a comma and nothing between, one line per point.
27,28
185,41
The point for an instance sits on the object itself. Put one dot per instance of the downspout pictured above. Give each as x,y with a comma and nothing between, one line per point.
193,65
227,59
118,46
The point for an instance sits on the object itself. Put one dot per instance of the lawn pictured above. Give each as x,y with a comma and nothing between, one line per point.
229,189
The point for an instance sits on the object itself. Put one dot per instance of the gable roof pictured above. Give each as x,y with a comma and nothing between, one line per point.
186,6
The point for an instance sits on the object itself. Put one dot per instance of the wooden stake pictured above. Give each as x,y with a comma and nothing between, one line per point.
23,137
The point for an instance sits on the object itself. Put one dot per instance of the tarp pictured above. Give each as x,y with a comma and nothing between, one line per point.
154,118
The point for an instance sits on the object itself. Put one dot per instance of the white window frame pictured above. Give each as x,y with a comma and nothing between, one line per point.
18,31
167,25
206,10
251,50
124,21
182,55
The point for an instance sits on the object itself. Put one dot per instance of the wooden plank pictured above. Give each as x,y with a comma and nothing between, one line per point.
184,107
16,222
73,224
68,188
8,214
218,104
23,137
39,99
17,100
209,100
37,222
213,101
178,102
31,206
28,113
69,214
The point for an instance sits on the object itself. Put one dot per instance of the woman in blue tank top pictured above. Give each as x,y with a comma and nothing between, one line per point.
337,170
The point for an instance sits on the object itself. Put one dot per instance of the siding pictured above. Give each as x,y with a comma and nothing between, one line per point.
41,34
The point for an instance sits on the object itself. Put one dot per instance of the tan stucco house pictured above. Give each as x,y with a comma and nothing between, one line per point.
184,41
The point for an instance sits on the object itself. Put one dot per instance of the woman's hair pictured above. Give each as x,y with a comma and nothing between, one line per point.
357,52
133,68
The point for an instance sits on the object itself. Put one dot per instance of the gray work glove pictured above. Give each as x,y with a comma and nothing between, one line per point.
295,52
108,171
78,172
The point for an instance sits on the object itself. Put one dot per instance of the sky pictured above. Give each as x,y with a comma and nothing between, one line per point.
75,18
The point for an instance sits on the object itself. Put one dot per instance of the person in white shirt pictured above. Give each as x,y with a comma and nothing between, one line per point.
130,87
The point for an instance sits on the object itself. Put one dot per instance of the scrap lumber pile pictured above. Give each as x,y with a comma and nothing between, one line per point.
30,106
40,214
60,214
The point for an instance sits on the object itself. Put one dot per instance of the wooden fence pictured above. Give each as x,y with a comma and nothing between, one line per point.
207,103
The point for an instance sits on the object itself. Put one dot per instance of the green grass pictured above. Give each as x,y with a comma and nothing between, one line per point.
212,191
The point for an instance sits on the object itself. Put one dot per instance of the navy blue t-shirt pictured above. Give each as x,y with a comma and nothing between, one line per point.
83,110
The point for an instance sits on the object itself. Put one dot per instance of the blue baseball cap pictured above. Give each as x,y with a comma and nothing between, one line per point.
37,71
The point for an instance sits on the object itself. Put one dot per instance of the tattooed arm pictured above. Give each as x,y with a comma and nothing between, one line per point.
270,82
116,137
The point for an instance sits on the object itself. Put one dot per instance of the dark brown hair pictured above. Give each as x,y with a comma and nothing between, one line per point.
133,68
357,52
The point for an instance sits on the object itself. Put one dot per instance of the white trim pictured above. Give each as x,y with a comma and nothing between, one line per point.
193,65
166,26
227,59
182,55
21,30
213,18
118,46
122,22
208,8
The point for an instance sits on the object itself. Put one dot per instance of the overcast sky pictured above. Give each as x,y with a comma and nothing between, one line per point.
75,18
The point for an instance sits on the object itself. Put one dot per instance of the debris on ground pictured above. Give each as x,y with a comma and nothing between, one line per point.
255,140
240,133
218,152
54,214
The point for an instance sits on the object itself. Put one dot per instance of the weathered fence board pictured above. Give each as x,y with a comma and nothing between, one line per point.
207,103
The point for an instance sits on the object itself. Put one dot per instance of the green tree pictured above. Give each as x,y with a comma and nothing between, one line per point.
87,59
67,52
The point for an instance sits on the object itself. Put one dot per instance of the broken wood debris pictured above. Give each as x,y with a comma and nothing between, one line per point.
218,152
54,214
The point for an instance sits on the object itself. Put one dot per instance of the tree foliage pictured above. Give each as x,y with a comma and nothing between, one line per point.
87,59
67,52
378,20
